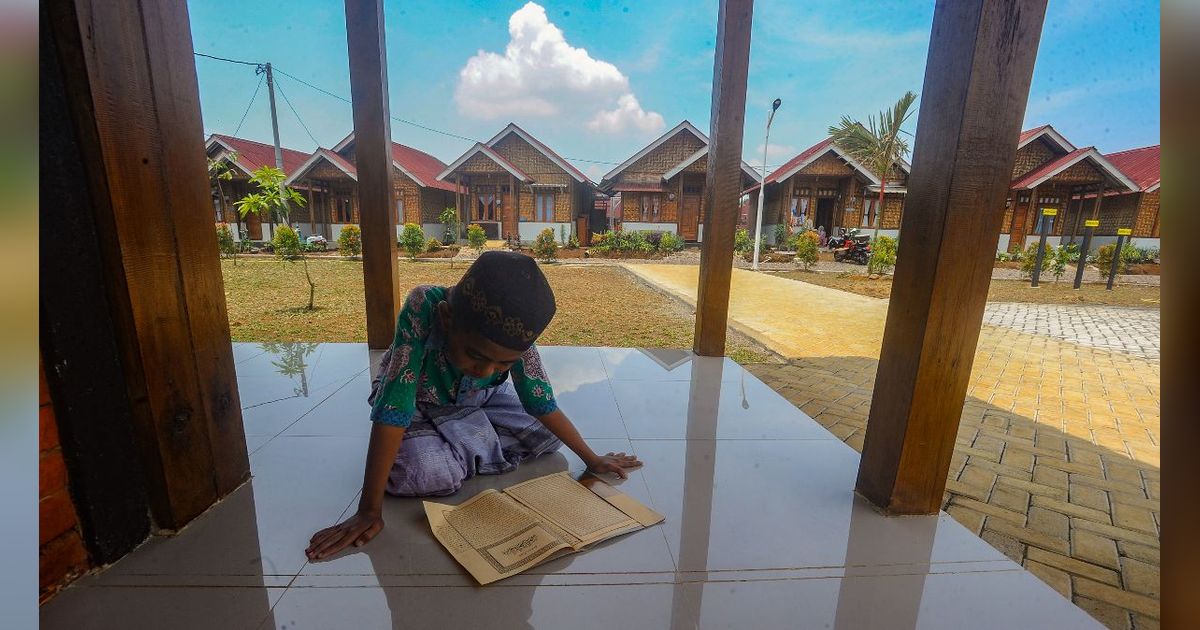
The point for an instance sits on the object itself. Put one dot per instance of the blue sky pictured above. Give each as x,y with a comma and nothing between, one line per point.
597,80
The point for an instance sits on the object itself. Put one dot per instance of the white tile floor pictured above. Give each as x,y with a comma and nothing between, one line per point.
762,531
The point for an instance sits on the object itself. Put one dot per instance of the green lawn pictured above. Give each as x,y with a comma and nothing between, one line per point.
597,305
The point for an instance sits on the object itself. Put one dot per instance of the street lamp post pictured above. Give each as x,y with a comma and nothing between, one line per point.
762,184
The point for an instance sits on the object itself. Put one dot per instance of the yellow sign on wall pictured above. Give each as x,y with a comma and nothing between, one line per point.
1091,223
1049,212
1124,231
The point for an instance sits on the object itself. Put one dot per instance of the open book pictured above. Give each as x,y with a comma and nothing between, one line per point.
500,534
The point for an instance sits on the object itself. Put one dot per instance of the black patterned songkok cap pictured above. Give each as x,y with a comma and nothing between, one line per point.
505,297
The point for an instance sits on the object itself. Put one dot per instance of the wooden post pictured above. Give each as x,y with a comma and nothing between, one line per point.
373,147
976,86
312,212
723,182
127,62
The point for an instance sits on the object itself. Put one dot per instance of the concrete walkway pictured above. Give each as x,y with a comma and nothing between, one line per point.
1056,462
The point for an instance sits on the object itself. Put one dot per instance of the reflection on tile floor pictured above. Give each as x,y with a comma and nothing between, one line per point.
762,531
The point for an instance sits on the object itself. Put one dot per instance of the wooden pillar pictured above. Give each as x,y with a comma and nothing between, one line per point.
145,184
977,77
312,212
723,182
373,145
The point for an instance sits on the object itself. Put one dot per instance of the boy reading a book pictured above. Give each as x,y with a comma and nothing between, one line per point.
462,392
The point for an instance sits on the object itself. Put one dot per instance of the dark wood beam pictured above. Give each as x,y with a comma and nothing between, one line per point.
977,76
130,81
373,148
723,182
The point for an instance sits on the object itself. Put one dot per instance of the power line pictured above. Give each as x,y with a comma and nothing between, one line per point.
249,105
245,63
295,113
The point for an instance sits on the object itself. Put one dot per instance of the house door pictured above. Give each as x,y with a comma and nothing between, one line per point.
825,214
689,213
254,226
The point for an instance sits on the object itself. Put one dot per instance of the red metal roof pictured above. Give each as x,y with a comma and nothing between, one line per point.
1140,165
254,155
1025,135
421,165
1049,167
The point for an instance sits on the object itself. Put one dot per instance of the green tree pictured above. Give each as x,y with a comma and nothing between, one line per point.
806,244
449,217
883,255
225,241
412,239
476,237
879,144
219,170
273,197
350,241
287,245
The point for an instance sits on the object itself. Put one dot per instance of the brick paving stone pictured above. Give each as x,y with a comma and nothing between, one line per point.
1114,617
1070,509
1057,579
1049,522
1073,566
1007,545
1016,518
1133,517
1144,553
1113,595
968,518
1028,536
1094,548
1140,577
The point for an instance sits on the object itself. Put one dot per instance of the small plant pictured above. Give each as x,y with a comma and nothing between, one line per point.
783,235
655,239
639,243
806,245
287,246
544,246
350,241
476,237
742,243
883,255
412,240
1072,252
604,242
1029,259
433,245
1152,255
449,218
1058,266
573,242
670,242
225,242
1104,260
1003,257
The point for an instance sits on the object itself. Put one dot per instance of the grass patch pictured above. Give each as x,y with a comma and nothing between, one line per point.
1049,292
597,306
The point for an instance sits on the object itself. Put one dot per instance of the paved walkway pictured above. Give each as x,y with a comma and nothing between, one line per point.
1057,457
1132,331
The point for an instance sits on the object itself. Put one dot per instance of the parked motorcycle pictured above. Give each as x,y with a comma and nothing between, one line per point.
851,247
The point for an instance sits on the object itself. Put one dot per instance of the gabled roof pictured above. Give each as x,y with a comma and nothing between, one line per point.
489,153
689,160
683,126
811,154
1044,172
253,155
1047,132
512,128
418,165
322,154
1140,165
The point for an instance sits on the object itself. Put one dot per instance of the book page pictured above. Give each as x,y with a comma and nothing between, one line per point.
493,536
576,510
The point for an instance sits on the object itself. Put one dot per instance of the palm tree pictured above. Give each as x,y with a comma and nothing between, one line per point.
878,145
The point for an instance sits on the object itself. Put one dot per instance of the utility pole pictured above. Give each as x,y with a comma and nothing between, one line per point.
266,68
762,184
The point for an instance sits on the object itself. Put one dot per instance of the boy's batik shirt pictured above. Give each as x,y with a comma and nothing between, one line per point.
416,371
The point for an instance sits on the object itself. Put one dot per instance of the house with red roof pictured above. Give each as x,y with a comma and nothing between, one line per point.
825,187
1137,210
1050,172
514,186
243,158
329,179
661,187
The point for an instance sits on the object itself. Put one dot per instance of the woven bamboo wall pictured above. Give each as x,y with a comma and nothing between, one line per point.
1031,156
530,160
650,167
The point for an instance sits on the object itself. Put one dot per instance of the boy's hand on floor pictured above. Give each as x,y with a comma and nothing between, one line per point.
356,530
616,463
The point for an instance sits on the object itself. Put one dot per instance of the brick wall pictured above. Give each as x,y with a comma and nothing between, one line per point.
1147,216
62,556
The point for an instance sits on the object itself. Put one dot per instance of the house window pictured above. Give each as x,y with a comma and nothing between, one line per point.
485,207
543,208
651,204
399,210
1037,229
342,212
870,209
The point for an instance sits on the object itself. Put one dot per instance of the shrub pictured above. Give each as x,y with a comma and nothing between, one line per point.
286,243
638,242
883,255
476,237
1003,257
742,243
544,246
1058,265
806,245
1104,260
655,239
433,245
1152,255
449,218
1134,255
783,235
1029,259
412,240
670,242
225,242
1072,252
573,242
604,242
350,241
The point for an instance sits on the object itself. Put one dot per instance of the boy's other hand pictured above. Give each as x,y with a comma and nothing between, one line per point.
616,463
356,530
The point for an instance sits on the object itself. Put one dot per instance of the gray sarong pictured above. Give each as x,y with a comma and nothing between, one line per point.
486,432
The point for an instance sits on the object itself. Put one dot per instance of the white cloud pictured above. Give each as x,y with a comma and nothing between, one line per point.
775,151
541,75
